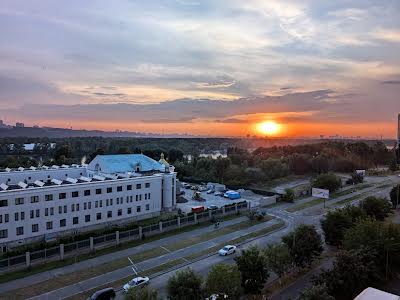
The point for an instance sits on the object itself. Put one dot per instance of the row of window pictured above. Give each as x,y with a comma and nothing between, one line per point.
74,194
75,221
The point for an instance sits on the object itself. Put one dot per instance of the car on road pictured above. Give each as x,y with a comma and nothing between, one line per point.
136,282
104,294
219,194
227,250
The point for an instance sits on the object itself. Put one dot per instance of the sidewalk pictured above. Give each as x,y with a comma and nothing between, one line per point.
48,275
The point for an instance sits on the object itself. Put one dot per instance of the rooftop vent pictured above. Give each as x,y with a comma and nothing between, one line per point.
32,168
71,180
55,167
20,169
98,177
7,169
86,179
64,166
3,186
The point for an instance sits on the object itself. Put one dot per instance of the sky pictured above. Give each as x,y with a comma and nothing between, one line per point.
207,67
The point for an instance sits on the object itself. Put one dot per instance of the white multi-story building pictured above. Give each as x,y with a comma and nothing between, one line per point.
43,203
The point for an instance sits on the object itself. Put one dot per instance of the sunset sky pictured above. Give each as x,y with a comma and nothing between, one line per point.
202,67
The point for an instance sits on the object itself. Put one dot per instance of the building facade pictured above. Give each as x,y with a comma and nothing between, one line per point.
43,203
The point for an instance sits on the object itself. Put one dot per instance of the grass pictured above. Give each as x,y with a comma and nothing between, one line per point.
81,257
81,275
304,205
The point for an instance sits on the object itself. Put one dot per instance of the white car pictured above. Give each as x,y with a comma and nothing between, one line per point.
228,249
136,282
218,194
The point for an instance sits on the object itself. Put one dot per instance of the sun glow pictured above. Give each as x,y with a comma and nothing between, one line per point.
268,128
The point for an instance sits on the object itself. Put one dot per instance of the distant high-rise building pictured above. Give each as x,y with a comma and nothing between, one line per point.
18,124
398,131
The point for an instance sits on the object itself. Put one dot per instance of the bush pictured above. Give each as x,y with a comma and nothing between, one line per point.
185,284
288,196
378,208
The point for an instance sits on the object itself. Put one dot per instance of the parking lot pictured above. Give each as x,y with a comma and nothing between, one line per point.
211,199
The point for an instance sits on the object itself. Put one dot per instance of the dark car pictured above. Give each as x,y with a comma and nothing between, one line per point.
106,294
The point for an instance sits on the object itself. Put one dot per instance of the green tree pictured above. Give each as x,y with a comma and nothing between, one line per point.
352,272
304,244
316,292
288,196
224,279
185,284
330,182
174,155
141,294
221,166
378,208
395,195
336,222
278,258
253,269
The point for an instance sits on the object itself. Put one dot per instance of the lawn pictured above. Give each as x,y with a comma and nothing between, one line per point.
304,205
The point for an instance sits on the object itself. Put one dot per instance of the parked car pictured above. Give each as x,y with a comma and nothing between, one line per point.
227,250
219,194
136,282
104,294
212,207
210,191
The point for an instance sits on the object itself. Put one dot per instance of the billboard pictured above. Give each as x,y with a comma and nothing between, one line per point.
360,172
320,193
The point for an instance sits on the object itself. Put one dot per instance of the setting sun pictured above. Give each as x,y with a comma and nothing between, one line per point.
268,128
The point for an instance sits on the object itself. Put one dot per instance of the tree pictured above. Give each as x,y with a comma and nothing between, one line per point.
141,294
338,221
395,195
393,164
174,155
356,178
224,280
329,182
185,284
221,166
252,266
316,292
378,208
352,272
304,244
288,196
278,258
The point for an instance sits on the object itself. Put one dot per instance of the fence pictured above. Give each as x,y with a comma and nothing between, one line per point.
63,251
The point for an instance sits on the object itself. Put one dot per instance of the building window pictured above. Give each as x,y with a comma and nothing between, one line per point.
22,215
63,223
138,186
32,214
35,227
119,212
34,199
84,205
77,207
6,218
65,209
48,197
138,208
87,218
16,216
145,196
46,211
98,216
117,200
75,220
72,207
140,197
60,209
3,234
147,206
119,188
96,204
129,187
137,197
3,203
19,201
109,190
106,202
62,195
101,203
89,205
86,193
20,230
129,210
111,201
49,225
75,194
109,214
37,213
98,191
147,184
51,211
148,196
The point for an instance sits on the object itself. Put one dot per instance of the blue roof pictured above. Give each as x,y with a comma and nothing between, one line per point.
121,163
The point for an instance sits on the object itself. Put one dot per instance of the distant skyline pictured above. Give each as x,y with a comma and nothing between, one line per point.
203,67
